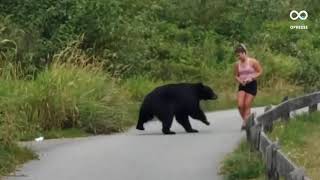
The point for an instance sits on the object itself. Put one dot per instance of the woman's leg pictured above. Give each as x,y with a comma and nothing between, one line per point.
241,103
248,99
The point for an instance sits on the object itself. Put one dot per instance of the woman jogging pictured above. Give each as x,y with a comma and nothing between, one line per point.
246,70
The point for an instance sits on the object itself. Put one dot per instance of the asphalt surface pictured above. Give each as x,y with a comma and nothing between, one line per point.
139,155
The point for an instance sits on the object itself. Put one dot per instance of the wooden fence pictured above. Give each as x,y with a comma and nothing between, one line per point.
277,163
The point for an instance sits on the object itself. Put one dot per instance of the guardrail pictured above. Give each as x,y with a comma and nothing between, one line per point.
277,163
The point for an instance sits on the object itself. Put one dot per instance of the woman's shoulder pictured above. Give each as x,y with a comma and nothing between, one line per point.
253,60
236,64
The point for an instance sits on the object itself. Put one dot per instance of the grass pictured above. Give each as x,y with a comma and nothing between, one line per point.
56,133
71,98
299,139
11,156
62,97
65,133
243,164
71,93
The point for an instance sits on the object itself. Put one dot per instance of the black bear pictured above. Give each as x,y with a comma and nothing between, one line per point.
180,100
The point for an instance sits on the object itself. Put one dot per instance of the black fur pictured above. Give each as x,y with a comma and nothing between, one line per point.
179,100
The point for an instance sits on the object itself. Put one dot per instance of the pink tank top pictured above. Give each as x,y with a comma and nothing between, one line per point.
246,71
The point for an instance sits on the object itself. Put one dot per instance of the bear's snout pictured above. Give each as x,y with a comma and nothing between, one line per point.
214,97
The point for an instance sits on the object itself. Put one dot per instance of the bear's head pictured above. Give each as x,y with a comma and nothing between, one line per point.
205,92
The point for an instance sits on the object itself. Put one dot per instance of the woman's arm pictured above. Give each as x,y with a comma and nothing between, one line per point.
236,73
256,65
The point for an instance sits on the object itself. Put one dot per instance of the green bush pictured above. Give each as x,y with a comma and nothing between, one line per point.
243,164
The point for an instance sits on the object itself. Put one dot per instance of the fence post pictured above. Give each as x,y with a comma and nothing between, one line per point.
250,123
271,151
313,108
253,132
255,136
286,115
267,126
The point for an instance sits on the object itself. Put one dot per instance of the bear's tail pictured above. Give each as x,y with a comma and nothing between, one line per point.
145,115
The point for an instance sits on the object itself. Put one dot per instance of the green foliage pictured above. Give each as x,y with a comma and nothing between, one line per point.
136,37
243,164
12,156
308,72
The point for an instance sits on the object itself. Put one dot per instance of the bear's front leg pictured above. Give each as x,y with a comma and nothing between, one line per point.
199,114
185,123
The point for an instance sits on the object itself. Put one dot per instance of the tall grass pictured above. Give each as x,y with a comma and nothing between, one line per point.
73,92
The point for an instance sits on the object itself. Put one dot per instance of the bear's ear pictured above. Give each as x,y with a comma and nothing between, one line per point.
199,84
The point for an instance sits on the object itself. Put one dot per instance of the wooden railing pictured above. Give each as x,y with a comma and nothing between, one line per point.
277,163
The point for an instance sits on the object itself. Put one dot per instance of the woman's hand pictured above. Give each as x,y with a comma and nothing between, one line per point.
243,82
249,80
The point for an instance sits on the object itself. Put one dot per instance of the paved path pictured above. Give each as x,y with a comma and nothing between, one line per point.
135,155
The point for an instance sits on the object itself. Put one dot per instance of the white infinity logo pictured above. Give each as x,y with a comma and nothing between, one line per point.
302,15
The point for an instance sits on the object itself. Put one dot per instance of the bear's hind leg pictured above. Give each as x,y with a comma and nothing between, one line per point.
144,116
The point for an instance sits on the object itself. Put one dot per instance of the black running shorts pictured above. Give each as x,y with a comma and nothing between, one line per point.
250,88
